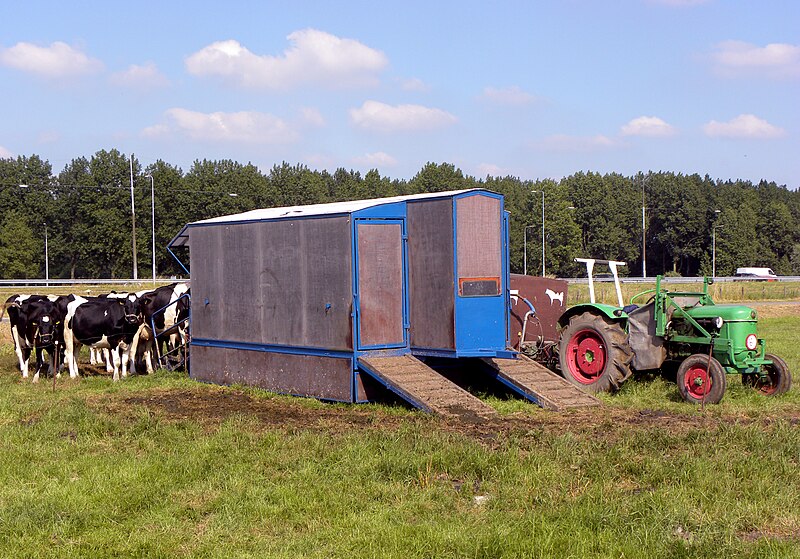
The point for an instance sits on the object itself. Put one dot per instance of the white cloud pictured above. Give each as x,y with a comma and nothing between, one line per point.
141,77
375,160
508,96
314,57
59,60
485,169
565,142
414,84
776,60
48,137
242,127
743,126
650,126
380,117
4,153
312,117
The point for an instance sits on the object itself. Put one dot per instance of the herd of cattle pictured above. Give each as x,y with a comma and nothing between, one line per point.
115,326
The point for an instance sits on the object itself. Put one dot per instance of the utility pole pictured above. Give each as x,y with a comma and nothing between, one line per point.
46,258
133,228
644,252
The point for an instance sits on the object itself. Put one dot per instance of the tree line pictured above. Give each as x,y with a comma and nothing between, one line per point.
86,210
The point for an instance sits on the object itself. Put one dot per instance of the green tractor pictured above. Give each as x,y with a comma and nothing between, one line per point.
601,345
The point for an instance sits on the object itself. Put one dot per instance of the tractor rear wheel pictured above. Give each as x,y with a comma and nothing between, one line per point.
701,380
778,381
594,353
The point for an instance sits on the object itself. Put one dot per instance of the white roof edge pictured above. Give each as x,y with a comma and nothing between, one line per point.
328,209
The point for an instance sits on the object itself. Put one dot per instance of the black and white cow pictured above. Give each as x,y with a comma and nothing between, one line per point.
44,331
104,323
32,316
170,320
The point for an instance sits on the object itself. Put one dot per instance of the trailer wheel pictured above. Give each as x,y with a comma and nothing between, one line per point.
594,353
778,381
701,380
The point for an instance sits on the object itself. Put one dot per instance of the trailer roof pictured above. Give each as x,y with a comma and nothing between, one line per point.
333,208
288,212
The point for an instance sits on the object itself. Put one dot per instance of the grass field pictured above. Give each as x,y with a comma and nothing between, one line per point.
161,466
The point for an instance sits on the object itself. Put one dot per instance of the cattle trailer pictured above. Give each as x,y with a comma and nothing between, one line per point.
295,299
334,300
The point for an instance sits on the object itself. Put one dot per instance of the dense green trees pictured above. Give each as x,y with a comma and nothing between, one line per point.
87,209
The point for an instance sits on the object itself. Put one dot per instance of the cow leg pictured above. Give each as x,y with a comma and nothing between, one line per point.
125,349
70,349
115,355
107,356
25,360
92,356
134,346
39,363
17,347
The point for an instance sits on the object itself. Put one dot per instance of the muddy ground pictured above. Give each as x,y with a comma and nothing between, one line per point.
210,406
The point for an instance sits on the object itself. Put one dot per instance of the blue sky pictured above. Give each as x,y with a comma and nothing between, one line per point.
531,89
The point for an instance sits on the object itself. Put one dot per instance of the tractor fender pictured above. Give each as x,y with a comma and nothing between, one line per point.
611,312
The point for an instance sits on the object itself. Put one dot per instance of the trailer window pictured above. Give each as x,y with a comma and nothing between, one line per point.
479,253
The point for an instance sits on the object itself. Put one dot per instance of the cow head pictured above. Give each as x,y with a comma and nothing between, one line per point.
133,309
44,323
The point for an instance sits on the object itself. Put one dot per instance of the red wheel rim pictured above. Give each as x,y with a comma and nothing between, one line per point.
767,387
697,381
586,356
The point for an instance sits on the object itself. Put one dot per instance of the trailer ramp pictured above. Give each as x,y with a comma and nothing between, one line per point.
538,384
424,388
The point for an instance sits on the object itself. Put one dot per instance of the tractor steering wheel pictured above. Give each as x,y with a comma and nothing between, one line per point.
644,293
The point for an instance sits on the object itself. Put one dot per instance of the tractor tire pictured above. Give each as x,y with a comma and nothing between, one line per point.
701,380
779,381
594,354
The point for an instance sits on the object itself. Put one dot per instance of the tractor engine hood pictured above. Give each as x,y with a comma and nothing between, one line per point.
728,313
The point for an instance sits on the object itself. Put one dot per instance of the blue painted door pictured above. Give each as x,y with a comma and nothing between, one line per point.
381,305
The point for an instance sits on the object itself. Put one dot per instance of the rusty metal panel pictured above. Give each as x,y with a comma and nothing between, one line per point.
549,298
479,239
282,282
207,288
430,274
380,284
303,375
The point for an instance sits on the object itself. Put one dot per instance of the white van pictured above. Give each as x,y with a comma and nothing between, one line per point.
756,274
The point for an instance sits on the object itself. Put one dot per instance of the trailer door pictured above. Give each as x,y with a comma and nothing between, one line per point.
381,300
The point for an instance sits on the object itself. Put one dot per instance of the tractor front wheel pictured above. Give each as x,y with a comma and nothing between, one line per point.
701,380
778,379
594,353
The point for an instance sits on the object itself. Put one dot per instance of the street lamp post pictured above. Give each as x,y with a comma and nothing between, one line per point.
46,258
543,263
153,222
133,228
525,250
644,252
714,228
714,250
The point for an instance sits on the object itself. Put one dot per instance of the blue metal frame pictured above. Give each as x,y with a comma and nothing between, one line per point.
188,320
181,234
358,347
472,313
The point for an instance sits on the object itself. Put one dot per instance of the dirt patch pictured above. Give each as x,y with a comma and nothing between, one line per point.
775,310
210,407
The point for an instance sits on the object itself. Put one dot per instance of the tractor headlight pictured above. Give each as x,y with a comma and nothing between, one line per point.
718,322
751,342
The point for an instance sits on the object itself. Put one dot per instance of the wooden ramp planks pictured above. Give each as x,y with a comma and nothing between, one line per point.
424,388
538,384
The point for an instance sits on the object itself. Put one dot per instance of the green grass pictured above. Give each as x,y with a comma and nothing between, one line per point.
85,474
726,292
